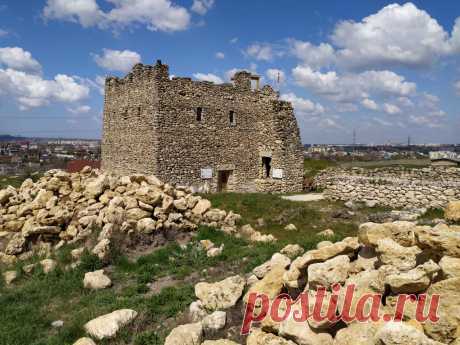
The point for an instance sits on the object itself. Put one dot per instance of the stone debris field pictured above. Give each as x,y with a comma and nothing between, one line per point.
100,212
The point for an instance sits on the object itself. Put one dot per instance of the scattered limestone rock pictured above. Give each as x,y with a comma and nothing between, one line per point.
48,265
28,269
257,337
102,249
270,285
326,233
84,341
10,277
197,312
96,187
146,225
324,244
357,333
252,279
366,260
329,272
276,260
220,295
398,333
440,240
401,232
452,211
213,252
190,334
201,207
96,280
371,203
392,253
301,333
293,277
450,266
214,321
57,324
77,253
290,227
220,342
206,244
260,222
292,251
446,329
413,281
107,326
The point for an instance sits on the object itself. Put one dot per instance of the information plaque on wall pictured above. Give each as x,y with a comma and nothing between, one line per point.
206,173
278,173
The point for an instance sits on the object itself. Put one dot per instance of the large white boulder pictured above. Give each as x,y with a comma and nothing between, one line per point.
96,280
220,295
107,326
190,334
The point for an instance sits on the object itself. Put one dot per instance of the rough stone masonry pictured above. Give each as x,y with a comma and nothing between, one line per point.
431,187
210,137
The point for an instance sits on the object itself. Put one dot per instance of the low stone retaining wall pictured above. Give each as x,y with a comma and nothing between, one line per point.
396,187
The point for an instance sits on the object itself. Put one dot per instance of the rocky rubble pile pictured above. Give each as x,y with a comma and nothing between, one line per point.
389,259
64,208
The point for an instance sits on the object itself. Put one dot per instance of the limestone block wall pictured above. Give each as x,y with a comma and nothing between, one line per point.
129,137
263,126
395,187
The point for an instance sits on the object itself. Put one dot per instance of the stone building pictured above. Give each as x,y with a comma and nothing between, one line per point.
212,137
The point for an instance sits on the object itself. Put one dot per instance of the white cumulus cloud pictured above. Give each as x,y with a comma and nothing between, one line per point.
391,109
162,15
220,55
276,75
311,55
208,77
85,12
352,86
261,51
303,106
81,109
18,59
397,35
202,6
369,104
31,90
117,60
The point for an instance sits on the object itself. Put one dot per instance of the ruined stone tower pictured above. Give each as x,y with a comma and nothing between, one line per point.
215,137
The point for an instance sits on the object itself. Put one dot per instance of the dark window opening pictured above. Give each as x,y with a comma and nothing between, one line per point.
231,118
199,114
138,110
266,163
125,115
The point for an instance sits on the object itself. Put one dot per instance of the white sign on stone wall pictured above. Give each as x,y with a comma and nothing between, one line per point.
206,173
278,173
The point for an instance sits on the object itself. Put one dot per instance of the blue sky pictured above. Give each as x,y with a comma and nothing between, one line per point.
385,69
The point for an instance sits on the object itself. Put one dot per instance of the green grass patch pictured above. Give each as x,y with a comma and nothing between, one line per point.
313,166
14,181
309,218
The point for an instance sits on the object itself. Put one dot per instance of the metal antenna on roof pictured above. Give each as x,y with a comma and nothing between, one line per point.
278,81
